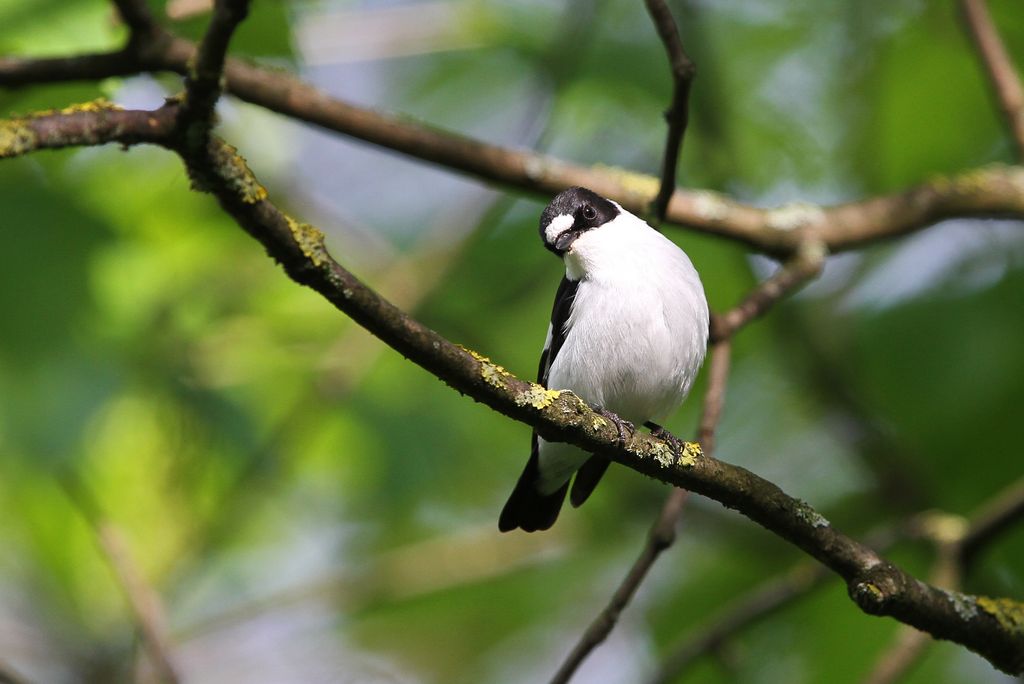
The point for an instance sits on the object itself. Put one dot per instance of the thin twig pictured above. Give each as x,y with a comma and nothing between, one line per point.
203,82
999,68
910,644
957,542
804,266
763,601
755,605
659,538
677,115
714,399
142,599
136,15
992,519
907,649
662,533
9,676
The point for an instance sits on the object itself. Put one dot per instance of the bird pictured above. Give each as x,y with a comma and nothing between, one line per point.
628,335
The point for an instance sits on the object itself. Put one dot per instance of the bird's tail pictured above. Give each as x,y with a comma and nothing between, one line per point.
527,507
587,478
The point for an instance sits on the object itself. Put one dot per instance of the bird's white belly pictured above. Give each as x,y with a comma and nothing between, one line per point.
632,351
633,355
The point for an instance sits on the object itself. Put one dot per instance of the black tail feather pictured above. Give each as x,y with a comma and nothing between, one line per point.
587,478
527,507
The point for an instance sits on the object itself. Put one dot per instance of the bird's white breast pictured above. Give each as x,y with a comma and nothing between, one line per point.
637,330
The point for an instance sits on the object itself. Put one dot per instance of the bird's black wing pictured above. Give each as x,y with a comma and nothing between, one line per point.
564,298
526,507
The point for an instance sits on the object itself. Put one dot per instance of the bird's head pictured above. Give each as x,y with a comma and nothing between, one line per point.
571,214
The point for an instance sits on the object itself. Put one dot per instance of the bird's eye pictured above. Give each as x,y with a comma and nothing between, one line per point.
589,212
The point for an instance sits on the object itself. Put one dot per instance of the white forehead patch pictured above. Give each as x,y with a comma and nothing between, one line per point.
558,225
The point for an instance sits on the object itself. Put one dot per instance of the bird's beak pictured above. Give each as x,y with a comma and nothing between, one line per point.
565,239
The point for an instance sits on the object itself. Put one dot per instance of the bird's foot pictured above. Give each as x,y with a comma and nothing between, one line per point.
622,426
675,444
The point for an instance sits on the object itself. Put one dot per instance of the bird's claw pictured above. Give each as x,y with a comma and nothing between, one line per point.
621,425
675,444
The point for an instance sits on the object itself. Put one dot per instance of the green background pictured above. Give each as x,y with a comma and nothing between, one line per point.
312,507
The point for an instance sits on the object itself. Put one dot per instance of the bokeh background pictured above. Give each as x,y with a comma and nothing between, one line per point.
313,508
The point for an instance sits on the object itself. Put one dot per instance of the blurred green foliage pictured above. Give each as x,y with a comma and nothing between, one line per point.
312,507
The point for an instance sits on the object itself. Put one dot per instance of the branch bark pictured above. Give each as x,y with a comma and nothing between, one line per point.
998,67
203,82
988,191
991,627
807,263
994,518
956,541
678,113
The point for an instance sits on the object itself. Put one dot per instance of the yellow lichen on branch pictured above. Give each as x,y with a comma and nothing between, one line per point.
310,240
1007,612
536,396
492,373
100,104
16,138
232,170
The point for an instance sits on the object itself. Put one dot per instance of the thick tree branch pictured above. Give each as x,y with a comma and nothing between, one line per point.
990,627
678,113
16,72
989,191
999,68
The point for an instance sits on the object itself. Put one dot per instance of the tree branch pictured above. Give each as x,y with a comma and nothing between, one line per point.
677,115
762,601
994,518
989,191
910,645
142,599
987,626
136,16
9,676
805,265
659,538
662,533
203,82
950,538
998,67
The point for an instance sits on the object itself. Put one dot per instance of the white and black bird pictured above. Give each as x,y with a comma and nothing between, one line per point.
628,333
